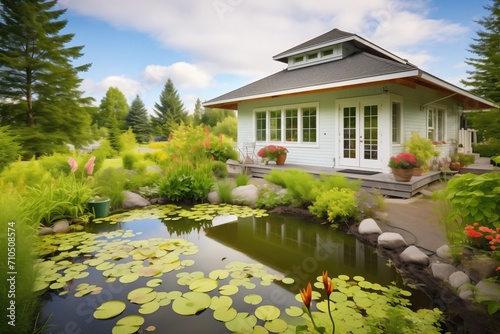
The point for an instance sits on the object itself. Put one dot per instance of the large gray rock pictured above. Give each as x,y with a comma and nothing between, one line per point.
133,201
245,195
369,226
45,230
479,267
61,226
413,255
391,240
458,278
442,270
444,252
465,292
213,197
488,291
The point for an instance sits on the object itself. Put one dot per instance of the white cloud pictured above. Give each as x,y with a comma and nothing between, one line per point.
129,87
183,74
239,37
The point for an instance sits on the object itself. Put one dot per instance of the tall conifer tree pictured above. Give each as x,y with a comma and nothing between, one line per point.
39,85
138,120
169,112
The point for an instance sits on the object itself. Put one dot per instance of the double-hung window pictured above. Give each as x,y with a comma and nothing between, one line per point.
436,124
287,124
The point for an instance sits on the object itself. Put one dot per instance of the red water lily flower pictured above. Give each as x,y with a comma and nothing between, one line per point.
306,295
327,283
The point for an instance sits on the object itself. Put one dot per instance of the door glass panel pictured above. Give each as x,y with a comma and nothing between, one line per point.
349,132
370,147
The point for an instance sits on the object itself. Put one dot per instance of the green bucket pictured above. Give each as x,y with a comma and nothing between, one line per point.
99,208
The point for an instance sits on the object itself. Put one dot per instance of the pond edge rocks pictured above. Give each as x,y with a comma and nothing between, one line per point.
460,284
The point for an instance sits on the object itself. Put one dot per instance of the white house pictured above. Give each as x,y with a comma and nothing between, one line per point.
345,102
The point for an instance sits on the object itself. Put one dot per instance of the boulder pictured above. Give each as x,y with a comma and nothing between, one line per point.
465,292
458,278
234,167
133,201
213,197
45,230
61,226
391,240
444,252
413,255
479,267
442,270
246,195
488,291
369,226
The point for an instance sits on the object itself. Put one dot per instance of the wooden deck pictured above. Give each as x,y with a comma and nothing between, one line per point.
382,182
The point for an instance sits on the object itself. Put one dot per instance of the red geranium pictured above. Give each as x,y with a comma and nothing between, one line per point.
404,160
482,237
271,152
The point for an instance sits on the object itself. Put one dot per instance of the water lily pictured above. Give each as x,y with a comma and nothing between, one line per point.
306,295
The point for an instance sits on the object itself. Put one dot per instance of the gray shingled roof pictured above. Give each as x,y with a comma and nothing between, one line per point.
356,66
328,37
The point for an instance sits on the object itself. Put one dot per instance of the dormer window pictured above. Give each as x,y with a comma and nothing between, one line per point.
320,55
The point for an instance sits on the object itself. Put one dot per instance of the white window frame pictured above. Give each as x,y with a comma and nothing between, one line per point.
438,129
283,109
398,126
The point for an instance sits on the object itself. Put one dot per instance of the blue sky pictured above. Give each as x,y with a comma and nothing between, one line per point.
211,47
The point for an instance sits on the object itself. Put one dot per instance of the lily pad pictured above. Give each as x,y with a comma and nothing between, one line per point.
228,290
225,314
204,285
218,302
109,309
154,282
128,325
191,303
253,299
129,278
141,295
276,326
242,323
267,312
294,311
149,308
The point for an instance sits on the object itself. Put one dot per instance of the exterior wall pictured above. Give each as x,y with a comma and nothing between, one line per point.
325,152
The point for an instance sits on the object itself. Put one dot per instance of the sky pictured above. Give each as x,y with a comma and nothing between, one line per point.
210,47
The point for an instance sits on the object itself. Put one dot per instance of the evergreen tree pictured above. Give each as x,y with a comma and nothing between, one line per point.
485,78
138,120
198,112
39,85
169,111
112,113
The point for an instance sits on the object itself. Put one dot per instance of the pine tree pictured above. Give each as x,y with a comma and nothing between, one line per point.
39,85
485,78
198,112
112,113
138,120
169,111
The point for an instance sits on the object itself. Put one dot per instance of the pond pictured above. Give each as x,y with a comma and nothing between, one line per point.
146,259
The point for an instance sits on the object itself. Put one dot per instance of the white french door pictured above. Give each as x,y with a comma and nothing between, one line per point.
359,135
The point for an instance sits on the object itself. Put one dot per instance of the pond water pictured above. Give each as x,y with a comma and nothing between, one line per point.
257,251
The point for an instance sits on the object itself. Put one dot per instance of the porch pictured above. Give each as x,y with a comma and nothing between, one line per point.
382,182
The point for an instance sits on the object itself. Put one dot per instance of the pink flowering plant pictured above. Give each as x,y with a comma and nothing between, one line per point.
403,160
271,152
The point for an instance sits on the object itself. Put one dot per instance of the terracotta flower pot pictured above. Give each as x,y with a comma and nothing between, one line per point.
281,159
418,171
402,175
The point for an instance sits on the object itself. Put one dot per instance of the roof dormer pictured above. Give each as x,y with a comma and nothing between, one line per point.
330,53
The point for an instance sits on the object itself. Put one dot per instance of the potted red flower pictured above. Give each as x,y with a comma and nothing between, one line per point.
273,153
402,166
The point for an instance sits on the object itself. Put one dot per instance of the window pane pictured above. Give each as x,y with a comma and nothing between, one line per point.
291,125
309,125
275,125
396,122
260,126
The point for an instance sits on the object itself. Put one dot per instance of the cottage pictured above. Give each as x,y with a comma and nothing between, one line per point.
345,102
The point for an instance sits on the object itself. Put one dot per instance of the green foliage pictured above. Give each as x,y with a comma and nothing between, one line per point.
138,120
126,141
221,148
224,189
242,179
10,147
299,184
211,116
169,112
189,142
465,159
110,183
185,181
486,124
112,110
337,205
27,303
484,79
228,127
219,169
467,199
269,199
129,159
421,148
57,164
489,149
23,174
65,196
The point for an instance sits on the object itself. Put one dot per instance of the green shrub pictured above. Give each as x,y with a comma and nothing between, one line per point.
488,149
111,183
269,199
126,141
10,148
138,180
184,181
224,189
299,184
473,198
465,159
129,159
219,169
242,179
27,302
23,174
222,149
337,205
